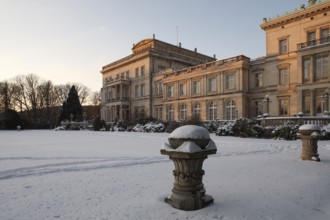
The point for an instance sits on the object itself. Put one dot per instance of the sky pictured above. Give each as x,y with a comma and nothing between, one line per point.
68,41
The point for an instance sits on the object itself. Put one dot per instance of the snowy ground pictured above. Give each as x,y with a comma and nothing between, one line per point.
102,175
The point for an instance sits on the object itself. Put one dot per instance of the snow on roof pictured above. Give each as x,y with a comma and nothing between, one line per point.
190,132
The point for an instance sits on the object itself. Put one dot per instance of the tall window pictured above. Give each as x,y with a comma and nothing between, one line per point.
318,104
211,85
324,34
284,107
142,90
258,80
307,104
284,76
170,91
258,107
196,110
213,111
136,72
183,112
307,69
182,89
159,112
321,66
283,46
142,70
136,91
196,87
230,110
230,81
170,113
311,38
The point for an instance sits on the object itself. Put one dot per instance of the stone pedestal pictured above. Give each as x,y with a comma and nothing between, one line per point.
309,135
188,192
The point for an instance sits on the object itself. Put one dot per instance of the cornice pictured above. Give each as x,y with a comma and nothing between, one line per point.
296,16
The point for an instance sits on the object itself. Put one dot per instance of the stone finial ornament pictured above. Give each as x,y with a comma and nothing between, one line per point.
188,147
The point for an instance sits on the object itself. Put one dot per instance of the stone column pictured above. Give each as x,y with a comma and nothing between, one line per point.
309,135
189,147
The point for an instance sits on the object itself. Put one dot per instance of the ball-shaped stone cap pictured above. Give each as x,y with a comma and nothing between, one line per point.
194,133
309,129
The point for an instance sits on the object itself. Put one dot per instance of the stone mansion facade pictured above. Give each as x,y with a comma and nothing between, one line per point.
169,82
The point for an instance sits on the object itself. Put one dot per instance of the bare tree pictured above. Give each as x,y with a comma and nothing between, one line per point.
83,92
95,98
7,91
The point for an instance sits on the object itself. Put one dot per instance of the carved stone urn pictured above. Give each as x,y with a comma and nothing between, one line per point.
188,147
309,135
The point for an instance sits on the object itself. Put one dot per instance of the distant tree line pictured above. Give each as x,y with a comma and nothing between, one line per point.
39,102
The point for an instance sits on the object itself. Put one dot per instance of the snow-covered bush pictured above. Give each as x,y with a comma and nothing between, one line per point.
242,127
325,132
211,126
288,131
149,127
225,129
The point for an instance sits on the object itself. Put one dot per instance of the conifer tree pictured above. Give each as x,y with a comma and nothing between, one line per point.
72,107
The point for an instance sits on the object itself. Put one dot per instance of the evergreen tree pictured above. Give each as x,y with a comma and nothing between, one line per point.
72,107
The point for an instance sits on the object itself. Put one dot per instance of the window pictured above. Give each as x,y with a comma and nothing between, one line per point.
196,87
212,85
311,38
230,110
142,70
283,45
230,81
136,91
196,111
127,74
258,80
258,108
321,66
306,69
170,91
159,112
324,34
142,90
161,68
182,89
170,113
284,107
213,111
284,76
136,72
307,104
183,112
318,104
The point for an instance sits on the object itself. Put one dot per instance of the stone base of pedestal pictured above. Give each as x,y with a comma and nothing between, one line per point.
189,201
312,158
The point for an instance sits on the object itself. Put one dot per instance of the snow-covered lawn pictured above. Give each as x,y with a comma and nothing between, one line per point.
103,175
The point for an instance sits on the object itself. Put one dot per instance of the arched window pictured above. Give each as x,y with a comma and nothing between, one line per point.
197,111
183,112
230,110
212,111
170,113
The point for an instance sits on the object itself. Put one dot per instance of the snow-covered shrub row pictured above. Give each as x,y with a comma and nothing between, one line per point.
149,127
288,131
242,127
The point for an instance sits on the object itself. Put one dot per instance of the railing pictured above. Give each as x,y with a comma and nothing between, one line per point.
313,43
275,121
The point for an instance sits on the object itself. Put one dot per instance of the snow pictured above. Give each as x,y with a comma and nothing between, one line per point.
111,175
190,132
309,127
189,147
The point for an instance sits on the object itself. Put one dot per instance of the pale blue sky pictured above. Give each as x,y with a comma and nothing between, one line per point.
70,40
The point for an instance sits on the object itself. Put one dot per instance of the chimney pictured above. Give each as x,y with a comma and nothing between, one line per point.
195,50
180,44
153,36
214,56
